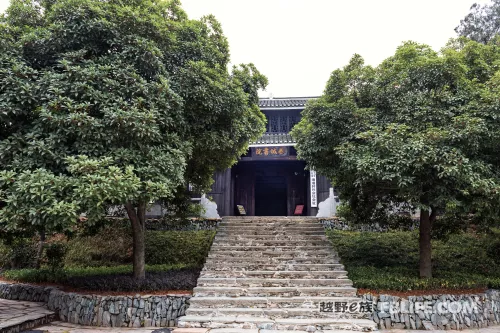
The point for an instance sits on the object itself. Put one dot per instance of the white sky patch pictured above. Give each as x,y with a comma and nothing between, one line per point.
298,43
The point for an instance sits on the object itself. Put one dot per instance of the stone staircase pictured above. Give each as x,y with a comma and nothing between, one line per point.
272,273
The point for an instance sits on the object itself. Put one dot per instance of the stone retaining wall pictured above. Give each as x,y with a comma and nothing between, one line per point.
336,223
164,224
442,312
94,310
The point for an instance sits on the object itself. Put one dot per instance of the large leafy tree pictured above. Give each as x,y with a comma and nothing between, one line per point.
482,23
115,102
422,130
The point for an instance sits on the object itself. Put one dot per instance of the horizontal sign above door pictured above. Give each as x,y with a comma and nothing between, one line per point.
269,151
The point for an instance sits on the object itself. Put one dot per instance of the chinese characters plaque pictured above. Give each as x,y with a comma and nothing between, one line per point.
314,193
269,151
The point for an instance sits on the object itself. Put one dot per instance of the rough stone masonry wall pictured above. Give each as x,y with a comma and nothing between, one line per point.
94,310
336,223
164,224
443,312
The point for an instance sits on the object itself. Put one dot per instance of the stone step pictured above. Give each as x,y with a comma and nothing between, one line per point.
258,232
235,267
224,260
271,282
272,242
273,313
285,236
271,227
266,302
270,247
273,254
272,231
275,291
275,274
270,275
253,219
22,316
271,223
309,324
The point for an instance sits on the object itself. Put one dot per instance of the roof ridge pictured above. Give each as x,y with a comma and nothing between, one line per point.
283,98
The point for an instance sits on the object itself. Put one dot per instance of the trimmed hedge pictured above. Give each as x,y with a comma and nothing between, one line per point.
113,246
110,247
178,247
400,279
117,278
389,260
101,261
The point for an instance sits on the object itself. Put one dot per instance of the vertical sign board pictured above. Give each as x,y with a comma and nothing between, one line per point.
314,192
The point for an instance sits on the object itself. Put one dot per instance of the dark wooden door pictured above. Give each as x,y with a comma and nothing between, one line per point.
297,188
244,188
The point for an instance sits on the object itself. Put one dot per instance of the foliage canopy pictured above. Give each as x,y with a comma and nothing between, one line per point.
420,130
115,102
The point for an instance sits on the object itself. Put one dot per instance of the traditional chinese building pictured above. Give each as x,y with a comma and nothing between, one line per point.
269,180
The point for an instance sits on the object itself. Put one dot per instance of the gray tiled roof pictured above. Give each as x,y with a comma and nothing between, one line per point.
274,138
284,103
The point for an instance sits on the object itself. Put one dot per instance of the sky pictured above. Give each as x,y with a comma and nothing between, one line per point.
298,43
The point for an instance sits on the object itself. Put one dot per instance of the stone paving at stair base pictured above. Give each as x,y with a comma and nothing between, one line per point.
16,315
61,327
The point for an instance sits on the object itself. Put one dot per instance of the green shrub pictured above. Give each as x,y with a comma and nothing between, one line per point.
4,256
449,224
465,252
47,275
19,253
54,255
113,246
378,249
378,260
400,279
178,247
110,247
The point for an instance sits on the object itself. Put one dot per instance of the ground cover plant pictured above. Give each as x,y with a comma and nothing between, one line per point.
114,278
102,260
390,260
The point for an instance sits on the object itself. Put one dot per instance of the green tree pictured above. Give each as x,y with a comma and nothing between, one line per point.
115,102
482,23
421,130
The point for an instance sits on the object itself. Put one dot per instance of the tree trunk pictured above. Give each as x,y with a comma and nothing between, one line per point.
39,252
138,219
425,242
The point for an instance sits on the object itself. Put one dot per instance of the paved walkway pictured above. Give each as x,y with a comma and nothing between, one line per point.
60,327
22,315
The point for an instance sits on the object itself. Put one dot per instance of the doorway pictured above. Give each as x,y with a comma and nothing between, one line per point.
269,188
270,196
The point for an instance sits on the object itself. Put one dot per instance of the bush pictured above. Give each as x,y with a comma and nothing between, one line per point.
178,247
113,246
378,249
54,254
184,279
118,278
4,256
377,260
110,247
400,279
19,253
